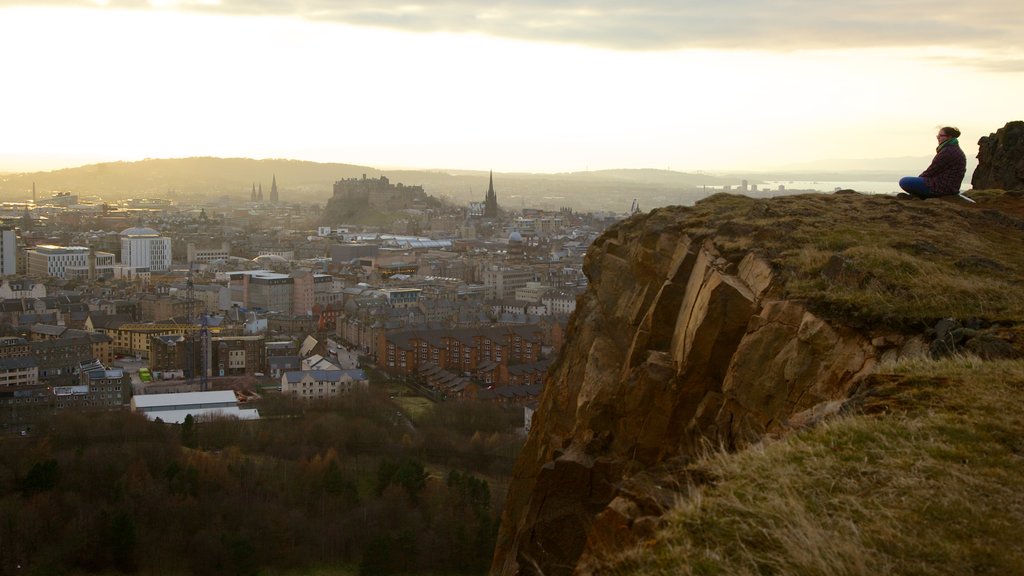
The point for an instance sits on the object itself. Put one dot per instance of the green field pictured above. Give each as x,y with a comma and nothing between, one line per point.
415,407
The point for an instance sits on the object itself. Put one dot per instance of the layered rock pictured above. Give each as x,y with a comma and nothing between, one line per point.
713,326
1001,159
676,347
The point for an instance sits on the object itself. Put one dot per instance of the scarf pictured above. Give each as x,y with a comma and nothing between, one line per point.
950,141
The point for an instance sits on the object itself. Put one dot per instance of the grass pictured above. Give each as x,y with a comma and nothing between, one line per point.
925,475
415,407
877,259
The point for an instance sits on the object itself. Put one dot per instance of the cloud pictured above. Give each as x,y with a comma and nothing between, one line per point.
780,25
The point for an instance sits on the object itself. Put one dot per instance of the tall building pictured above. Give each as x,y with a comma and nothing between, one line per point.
8,252
252,198
273,189
145,248
491,201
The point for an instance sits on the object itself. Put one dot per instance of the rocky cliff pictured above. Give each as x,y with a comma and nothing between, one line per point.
712,326
1001,159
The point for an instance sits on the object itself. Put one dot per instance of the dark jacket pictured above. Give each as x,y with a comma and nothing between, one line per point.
946,172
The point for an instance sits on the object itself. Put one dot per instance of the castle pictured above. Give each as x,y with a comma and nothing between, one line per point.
377,193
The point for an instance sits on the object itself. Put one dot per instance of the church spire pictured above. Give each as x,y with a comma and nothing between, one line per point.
491,200
273,189
253,197
259,194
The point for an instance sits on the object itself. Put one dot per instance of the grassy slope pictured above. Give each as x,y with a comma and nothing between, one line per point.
926,477
923,473
879,260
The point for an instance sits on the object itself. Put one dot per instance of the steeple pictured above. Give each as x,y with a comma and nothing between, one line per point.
259,194
253,197
491,200
273,189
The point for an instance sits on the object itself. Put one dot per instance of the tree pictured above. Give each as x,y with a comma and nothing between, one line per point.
189,435
41,477
409,474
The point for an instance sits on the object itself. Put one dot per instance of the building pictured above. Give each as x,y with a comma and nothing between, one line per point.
532,292
207,255
14,347
376,193
401,297
18,372
8,251
174,408
323,384
145,248
21,288
341,253
154,307
68,262
294,293
483,353
24,396
491,200
235,355
263,290
559,303
97,387
134,339
503,281
59,360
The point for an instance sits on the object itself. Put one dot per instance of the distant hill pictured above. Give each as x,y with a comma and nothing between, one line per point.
207,178
183,177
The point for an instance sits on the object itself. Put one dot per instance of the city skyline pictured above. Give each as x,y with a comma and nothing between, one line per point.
528,87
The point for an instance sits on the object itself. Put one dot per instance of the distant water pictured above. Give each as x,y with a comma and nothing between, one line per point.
825,186
771,187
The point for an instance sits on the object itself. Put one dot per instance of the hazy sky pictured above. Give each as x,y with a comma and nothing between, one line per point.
511,86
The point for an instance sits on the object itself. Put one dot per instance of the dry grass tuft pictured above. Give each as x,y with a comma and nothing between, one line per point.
934,485
878,259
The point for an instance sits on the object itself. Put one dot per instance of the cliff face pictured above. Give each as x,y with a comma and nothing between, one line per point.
1001,159
687,338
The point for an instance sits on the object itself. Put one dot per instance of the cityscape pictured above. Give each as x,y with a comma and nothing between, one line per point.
106,303
521,289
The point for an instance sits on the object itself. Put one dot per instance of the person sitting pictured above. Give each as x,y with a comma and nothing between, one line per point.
946,172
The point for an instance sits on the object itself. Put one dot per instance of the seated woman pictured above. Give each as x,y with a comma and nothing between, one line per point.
946,172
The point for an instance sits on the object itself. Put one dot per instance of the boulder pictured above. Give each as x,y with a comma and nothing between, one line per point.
1001,159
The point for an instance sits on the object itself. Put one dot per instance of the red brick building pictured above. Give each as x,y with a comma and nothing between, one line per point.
492,356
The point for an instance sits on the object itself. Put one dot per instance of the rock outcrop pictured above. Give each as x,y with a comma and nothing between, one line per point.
1001,159
689,338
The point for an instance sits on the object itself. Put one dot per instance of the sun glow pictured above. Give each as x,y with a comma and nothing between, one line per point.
120,84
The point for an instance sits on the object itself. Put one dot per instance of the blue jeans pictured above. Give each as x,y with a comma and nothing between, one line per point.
916,186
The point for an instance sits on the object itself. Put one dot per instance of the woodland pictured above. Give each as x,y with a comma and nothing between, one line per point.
349,486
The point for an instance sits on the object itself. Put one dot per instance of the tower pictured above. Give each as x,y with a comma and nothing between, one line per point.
491,200
273,189
259,194
252,198
192,338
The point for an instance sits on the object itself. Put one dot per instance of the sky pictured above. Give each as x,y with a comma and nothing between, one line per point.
525,86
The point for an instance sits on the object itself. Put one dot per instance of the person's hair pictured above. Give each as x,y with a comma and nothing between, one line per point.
950,131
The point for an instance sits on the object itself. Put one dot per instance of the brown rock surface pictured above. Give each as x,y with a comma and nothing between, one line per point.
703,327
1001,159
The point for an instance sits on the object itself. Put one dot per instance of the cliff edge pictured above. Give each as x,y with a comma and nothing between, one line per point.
709,328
